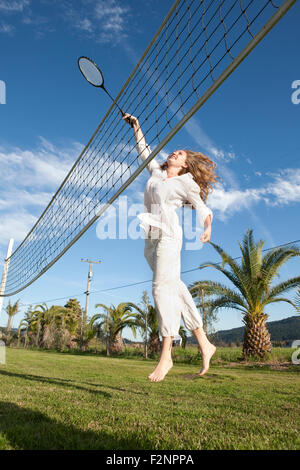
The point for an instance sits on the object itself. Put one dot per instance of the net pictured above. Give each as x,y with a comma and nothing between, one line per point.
198,45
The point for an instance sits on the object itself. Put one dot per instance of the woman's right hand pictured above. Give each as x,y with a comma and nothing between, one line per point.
130,119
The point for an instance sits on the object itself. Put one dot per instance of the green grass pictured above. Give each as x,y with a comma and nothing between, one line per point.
64,401
190,355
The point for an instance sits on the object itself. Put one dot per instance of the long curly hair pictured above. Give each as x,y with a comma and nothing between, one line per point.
203,170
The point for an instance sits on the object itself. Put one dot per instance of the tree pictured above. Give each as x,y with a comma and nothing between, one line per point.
182,333
53,327
27,323
74,322
148,323
41,325
252,281
202,296
11,311
113,323
22,324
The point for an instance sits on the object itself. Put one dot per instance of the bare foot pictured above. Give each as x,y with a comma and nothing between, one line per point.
161,370
207,355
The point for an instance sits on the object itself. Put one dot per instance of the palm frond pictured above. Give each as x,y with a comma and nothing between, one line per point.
281,299
222,290
283,287
273,261
238,272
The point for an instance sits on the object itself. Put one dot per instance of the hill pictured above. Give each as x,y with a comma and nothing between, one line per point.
280,331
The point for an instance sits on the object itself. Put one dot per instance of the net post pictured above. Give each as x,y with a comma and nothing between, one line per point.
5,271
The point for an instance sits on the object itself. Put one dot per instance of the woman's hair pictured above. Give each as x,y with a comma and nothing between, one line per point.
203,170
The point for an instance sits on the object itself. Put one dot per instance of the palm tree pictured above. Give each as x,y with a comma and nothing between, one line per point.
182,333
11,311
41,318
62,326
143,314
23,323
203,302
27,323
55,326
252,280
74,319
113,323
148,323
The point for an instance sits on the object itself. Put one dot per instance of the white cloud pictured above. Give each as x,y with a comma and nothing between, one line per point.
195,130
13,5
45,166
6,28
111,16
15,225
17,198
283,190
85,25
102,21
229,202
28,180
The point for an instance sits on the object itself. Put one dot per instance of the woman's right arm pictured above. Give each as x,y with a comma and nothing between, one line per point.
142,148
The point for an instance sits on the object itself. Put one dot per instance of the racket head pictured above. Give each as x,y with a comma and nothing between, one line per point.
91,71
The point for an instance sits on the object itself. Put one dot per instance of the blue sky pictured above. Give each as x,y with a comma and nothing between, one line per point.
250,127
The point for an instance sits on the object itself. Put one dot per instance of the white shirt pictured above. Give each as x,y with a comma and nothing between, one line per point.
164,195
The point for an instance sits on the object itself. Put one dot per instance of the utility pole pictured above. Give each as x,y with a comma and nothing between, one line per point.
5,271
85,313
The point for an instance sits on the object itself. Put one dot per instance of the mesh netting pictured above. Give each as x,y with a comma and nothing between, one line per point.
195,44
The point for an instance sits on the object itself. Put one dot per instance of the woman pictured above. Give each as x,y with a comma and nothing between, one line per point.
170,186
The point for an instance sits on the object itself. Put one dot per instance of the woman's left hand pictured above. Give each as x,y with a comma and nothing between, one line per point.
205,236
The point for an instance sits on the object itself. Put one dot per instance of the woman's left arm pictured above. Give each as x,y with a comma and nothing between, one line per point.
205,236
205,214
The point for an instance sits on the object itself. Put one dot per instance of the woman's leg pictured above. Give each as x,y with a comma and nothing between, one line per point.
193,322
167,300
165,361
166,286
207,349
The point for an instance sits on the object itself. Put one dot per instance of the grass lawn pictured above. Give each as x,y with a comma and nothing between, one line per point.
61,401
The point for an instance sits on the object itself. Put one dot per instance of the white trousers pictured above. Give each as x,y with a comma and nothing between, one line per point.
172,298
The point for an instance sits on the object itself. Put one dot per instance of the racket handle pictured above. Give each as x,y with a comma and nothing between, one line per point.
123,114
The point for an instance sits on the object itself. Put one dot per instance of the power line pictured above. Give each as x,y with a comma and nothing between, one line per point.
53,300
186,271
150,280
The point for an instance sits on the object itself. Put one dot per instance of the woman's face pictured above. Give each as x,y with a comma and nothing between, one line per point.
178,159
